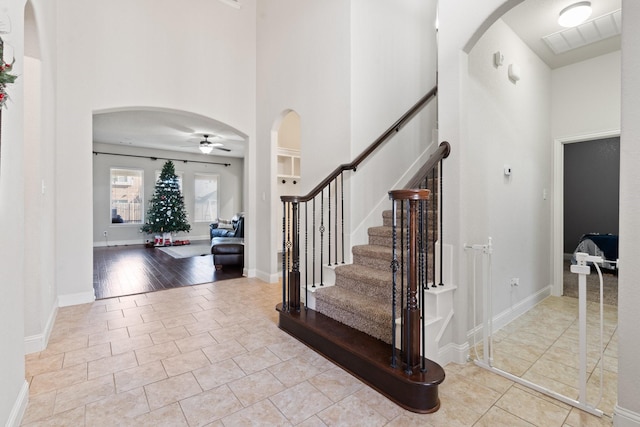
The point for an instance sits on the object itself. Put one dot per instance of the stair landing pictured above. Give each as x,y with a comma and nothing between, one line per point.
367,358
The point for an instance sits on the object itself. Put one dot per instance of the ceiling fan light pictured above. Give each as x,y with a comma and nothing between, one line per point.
575,14
206,148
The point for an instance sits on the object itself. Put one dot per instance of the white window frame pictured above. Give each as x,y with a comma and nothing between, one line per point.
196,176
141,195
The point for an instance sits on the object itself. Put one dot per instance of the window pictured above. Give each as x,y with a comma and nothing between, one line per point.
126,196
206,197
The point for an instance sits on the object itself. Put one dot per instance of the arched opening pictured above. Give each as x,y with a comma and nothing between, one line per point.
519,101
285,136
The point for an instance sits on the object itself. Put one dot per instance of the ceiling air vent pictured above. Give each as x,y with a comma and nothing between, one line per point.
597,29
232,3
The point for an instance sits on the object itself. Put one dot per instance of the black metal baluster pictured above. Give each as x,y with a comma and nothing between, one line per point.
441,236
394,271
284,247
313,236
321,235
306,254
329,221
342,211
434,221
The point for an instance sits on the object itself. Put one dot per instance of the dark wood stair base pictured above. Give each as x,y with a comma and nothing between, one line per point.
366,358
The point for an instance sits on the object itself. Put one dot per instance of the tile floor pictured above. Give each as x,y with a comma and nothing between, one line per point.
212,355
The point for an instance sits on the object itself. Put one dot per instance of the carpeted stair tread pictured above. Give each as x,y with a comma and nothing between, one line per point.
367,281
353,309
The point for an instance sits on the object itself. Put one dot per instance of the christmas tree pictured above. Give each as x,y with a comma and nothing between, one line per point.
166,212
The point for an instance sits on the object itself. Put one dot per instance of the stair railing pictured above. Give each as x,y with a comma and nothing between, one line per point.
414,239
325,228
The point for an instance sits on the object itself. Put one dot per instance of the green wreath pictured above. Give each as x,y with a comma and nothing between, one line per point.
5,76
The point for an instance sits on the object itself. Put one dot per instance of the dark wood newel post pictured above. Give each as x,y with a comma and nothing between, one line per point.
294,274
411,313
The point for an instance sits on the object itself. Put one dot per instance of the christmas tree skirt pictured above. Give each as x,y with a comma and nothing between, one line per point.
188,251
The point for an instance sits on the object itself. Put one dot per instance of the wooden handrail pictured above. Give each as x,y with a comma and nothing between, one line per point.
441,153
394,128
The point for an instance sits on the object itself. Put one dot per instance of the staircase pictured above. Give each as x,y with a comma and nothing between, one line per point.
353,319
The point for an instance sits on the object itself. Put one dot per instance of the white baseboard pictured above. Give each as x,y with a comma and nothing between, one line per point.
267,277
453,353
38,342
511,314
625,418
75,299
103,243
19,406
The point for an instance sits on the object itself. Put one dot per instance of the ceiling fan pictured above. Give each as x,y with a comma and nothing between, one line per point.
207,146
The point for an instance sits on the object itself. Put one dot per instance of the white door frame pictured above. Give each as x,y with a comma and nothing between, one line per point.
558,201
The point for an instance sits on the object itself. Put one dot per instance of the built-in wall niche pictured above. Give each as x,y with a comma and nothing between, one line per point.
288,164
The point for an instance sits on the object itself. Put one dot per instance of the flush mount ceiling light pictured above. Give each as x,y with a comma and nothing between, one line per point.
575,14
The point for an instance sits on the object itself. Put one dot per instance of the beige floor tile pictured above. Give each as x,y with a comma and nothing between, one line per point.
476,397
300,402
259,414
349,412
472,372
195,342
378,402
84,355
203,326
40,407
186,362
218,374
128,344
49,381
499,417
532,409
210,406
117,409
171,390
80,394
156,352
255,387
226,349
145,328
139,376
336,383
167,416
169,334
74,417
125,322
112,364
45,364
578,418
256,360
108,336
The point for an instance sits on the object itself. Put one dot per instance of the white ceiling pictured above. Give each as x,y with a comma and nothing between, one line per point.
166,130
533,19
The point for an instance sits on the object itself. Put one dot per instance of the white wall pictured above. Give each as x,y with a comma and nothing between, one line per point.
197,56
310,74
509,124
230,189
39,76
13,386
393,65
627,411
585,97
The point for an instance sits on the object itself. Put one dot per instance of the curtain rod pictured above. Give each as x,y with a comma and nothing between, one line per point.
162,158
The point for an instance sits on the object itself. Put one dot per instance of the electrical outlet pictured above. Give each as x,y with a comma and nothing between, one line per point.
515,281
104,233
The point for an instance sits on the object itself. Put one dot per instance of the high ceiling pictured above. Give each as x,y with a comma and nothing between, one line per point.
166,130
531,20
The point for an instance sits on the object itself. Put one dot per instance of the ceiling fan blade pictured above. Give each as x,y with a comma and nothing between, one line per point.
222,148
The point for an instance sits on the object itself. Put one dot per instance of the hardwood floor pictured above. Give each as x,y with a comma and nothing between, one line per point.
134,269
